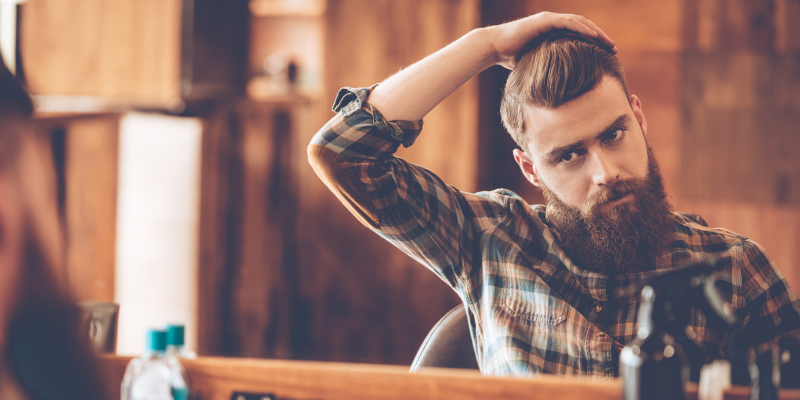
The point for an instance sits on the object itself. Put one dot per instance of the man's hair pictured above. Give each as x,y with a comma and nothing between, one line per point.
551,70
13,97
47,346
16,109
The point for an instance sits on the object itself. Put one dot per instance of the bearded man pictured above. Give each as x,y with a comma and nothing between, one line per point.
536,281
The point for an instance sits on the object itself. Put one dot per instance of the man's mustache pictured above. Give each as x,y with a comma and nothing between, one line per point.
615,191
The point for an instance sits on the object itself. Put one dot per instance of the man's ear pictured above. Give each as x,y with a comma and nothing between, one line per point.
526,165
636,106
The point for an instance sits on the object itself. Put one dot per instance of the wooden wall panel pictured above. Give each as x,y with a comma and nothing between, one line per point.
740,113
127,48
220,193
92,148
248,283
85,151
367,301
220,196
741,117
263,291
399,34
741,107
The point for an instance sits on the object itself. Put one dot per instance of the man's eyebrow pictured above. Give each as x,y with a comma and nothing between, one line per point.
558,151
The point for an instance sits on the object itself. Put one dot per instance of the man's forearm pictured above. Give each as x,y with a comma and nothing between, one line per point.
413,92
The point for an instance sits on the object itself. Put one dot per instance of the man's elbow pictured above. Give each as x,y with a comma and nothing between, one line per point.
339,177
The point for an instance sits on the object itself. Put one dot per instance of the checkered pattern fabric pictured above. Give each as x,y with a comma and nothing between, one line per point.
530,309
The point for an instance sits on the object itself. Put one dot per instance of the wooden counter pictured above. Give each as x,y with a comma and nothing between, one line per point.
217,378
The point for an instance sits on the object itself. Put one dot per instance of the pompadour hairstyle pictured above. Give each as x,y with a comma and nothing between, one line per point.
552,70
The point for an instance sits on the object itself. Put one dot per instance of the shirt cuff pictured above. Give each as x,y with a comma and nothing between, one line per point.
350,100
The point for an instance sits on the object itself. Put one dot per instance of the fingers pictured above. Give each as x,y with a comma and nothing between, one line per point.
511,37
601,36
583,26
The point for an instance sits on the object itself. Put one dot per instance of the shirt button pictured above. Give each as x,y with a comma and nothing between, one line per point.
598,308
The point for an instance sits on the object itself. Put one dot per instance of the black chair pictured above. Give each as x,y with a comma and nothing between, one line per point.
448,344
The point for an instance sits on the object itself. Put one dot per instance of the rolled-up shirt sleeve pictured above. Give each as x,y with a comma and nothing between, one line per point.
406,204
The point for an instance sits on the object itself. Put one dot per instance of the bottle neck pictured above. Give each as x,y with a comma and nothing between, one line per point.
153,354
174,349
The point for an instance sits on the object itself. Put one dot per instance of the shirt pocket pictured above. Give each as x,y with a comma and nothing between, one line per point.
534,313
533,309
532,332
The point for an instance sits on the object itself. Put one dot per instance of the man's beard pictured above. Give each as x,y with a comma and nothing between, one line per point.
624,239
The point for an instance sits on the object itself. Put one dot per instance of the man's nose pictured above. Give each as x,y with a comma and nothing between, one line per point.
605,170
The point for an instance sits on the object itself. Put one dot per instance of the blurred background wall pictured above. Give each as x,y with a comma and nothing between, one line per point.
282,269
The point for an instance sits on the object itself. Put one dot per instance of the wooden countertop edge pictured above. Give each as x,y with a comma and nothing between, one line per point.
217,377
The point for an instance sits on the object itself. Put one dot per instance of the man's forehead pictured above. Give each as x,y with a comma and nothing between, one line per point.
578,119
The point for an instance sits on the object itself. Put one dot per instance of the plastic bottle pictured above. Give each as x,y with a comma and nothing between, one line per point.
175,352
148,377
175,342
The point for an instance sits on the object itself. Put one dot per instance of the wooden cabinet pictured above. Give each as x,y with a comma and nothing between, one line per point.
85,55
85,150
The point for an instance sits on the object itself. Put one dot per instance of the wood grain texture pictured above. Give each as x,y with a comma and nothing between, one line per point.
264,289
740,104
217,378
85,151
92,149
249,200
127,48
220,196
739,117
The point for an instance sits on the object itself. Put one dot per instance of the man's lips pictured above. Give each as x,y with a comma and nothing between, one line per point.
616,203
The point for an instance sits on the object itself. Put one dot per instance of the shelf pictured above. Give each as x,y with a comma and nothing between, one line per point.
47,105
287,8
260,89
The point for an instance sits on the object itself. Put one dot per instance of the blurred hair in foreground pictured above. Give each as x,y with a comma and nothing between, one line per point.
45,353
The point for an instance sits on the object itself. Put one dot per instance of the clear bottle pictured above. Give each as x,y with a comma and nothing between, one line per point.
148,377
175,342
175,352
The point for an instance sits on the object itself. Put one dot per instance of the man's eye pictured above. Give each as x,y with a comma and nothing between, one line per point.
614,135
567,157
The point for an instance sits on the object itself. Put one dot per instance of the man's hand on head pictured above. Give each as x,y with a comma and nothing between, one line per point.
510,38
414,91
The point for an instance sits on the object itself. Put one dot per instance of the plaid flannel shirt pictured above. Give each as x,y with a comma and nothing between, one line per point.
530,309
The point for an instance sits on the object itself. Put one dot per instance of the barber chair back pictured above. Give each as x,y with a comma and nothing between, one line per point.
448,344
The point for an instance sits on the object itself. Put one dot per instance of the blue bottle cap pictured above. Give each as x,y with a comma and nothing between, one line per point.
155,339
175,334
